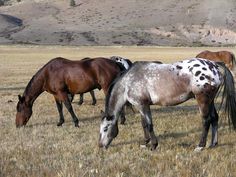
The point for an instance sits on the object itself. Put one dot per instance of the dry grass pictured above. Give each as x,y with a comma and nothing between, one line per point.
43,149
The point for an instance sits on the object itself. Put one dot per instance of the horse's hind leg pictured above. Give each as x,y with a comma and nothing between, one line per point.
214,125
59,108
148,126
93,97
204,107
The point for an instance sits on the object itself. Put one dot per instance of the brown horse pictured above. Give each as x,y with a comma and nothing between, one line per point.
62,77
221,56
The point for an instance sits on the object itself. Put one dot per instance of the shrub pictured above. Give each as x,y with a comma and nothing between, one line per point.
72,3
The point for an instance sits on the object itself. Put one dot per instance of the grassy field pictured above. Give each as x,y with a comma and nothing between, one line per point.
43,149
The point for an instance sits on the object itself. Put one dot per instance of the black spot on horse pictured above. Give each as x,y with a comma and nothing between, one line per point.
202,62
179,67
196,65
190,70
190,61
210,65
197,73
208,77
214,72
202,78
204,69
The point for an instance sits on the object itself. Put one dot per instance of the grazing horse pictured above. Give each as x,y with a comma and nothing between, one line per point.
221,56
149,83
123,61
62,77
126,63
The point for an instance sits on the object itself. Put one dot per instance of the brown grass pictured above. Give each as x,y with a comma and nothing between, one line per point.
43,149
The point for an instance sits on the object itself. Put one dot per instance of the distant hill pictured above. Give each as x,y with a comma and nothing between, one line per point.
119,22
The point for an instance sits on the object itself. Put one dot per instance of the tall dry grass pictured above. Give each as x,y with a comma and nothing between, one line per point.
43,149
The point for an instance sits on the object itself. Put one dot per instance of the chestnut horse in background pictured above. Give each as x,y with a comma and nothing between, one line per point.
221,56
124,62
62,77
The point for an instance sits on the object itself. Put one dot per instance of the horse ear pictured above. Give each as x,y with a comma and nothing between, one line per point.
21,99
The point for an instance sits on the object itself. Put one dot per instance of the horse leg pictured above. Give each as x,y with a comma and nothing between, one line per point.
204,108
71,97
214,126
145,131
93,97
64,97
71,111
59,108
146,113
81,99
122,116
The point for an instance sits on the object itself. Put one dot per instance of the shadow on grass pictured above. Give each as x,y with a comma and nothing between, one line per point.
176,135
67,122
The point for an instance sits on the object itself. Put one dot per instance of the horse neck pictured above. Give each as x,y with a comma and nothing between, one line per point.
34,88
115,101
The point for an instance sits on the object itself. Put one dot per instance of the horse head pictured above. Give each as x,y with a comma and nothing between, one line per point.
24,111
126,63
108,130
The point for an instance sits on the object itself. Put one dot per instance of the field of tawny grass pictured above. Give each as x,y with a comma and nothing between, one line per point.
43,149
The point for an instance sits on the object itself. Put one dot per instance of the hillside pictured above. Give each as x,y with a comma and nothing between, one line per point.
110,22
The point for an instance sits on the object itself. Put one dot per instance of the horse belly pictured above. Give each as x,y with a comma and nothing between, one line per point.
169,92
81,87
169,99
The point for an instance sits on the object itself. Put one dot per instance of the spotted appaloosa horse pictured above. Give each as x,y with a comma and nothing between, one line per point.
126,63
62,77
221,56
149,83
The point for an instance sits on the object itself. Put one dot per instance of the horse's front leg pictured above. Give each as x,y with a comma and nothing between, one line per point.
71,111
146,113
93,97
145,131
60,111
64,97
122,116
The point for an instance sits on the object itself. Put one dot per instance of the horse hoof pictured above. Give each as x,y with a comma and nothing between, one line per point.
93,103
198,149
60,124
154,146
213,145
122,123
77,125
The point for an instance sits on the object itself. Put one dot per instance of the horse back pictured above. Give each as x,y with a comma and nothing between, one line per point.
220,56
79,76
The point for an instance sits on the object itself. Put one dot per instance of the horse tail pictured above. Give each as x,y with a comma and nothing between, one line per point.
229,96
233,60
